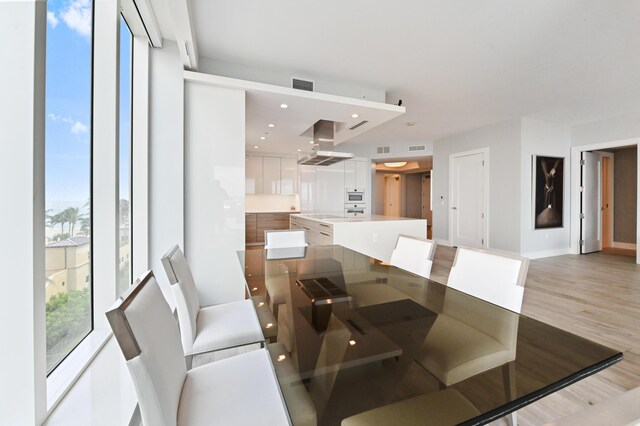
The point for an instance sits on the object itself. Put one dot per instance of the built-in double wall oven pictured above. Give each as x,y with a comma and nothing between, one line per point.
354,203
354,195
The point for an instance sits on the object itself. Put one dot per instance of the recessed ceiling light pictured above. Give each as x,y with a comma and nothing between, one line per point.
396,164
262,138
299,150
355,115
256,146
272,125
310,142
411,123
352,342
284,106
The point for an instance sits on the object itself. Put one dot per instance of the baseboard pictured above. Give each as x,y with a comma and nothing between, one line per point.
629,246
446,243
547,253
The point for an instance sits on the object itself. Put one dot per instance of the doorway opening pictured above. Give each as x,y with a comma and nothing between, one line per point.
609,201
403,189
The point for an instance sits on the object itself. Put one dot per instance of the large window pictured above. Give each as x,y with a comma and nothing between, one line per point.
124,236
68,176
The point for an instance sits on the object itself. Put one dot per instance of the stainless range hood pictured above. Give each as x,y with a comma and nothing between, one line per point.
323,153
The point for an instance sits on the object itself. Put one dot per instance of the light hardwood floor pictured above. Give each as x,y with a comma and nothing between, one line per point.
596,296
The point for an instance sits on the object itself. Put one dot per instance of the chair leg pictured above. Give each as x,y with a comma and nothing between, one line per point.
509,382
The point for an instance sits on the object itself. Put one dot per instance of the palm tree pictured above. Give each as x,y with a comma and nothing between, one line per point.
72,215
61,219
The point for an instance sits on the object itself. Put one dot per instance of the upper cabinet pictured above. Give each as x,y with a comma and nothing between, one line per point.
288,176
271,175
253,175
357,173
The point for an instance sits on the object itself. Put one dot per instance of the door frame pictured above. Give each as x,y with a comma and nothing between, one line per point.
576,155
452,157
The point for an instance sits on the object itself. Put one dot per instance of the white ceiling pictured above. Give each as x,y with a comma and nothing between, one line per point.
456,64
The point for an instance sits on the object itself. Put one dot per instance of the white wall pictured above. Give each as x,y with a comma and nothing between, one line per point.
611,129
503,141
22,313
166,155
214,189
548,139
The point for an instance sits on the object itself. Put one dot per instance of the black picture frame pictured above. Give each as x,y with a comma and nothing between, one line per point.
548,192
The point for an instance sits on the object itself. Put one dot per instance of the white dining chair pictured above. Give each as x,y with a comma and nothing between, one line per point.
468,339
282,244
496,277
216,393
209,328
284,238
445,407
414,254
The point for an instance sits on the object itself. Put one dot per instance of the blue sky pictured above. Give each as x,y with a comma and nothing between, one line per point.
68,104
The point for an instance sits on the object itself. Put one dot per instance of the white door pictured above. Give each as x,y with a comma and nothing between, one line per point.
591,214
468,200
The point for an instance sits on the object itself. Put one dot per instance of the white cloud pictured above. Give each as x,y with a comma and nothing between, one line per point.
55,117
78,128
77,16
51,18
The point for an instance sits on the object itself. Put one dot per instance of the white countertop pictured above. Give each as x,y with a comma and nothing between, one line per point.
270,211
337,218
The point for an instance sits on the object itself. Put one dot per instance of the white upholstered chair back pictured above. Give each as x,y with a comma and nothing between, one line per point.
414,255
147,333
185,294
489,275
284,238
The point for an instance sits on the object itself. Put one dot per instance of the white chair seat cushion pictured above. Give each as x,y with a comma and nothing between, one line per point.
447,407
301,408
374,294
241,390
225,326
454,351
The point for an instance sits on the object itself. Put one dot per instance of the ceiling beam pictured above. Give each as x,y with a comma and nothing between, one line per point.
180,11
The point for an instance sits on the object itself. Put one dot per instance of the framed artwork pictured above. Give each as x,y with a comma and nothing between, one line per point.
548,191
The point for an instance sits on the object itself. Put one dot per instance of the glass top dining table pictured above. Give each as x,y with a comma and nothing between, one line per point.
360,335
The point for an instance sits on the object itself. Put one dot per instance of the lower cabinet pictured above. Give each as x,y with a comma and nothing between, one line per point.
317,233
250,221
257,223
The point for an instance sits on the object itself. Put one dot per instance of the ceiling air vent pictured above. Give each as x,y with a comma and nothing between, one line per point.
363,122
383,150
296,83
417,148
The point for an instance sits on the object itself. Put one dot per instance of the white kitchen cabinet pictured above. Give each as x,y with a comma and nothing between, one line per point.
357,174
330,188
253,175
307,188
270,175
350,173
288,176
363,174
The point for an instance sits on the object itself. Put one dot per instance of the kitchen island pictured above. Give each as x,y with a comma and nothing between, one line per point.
373,235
